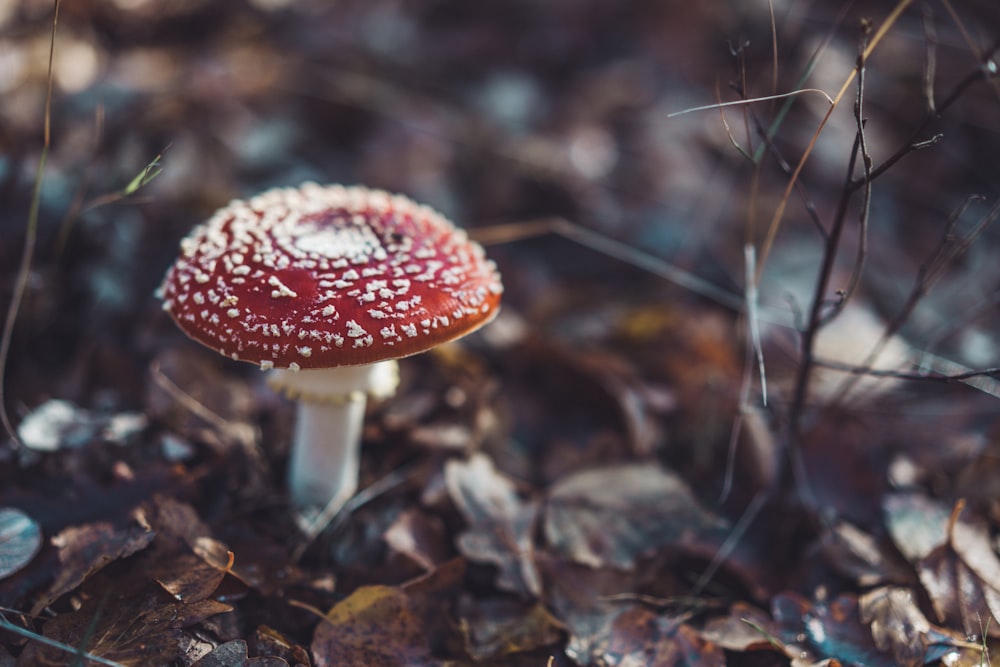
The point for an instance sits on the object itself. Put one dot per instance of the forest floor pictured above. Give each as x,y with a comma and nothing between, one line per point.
603,475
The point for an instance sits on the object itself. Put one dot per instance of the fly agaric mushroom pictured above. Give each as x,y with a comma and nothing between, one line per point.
326,286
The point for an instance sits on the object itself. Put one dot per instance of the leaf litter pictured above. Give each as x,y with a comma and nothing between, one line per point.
20,540
561,493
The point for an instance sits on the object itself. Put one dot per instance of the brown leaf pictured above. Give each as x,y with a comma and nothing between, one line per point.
970,538
612,516
500,627
126,621
500,523
188,562
897,624
857,554
186,576
179,520
376,626
746,628
953,554
84,550
268,641
641,637
956,593
586,601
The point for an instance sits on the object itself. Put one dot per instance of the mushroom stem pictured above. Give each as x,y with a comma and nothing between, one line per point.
326,452
325,455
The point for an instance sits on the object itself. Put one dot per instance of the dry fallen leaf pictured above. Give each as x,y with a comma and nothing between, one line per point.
611,516
898,626
819,630
376,626
499,627
953,555
746,628
857,554
185,576
268,641
642,637
500,523
85,550
125,620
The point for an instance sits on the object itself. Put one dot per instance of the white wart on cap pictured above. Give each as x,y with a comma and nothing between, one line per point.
324,276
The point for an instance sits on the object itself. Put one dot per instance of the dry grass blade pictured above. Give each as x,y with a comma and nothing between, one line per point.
779,212
765,98
30,234
34,636
607,246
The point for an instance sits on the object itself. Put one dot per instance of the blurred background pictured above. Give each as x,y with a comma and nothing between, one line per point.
501,113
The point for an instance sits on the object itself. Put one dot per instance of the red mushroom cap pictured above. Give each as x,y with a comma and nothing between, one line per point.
323,276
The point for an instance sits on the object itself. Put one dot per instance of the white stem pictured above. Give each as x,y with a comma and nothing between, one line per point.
326,452
325,456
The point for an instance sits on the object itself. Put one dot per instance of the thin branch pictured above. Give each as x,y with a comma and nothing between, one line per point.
774,46
952,327
906,375
729,131
948,250
779,212
812,323
866,199
985,71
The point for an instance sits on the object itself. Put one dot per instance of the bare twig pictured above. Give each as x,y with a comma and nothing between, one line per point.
929,376
947,251
866,198
985,70
779,212
812,323
952,327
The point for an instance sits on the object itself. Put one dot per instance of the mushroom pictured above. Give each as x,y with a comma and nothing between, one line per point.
326,286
